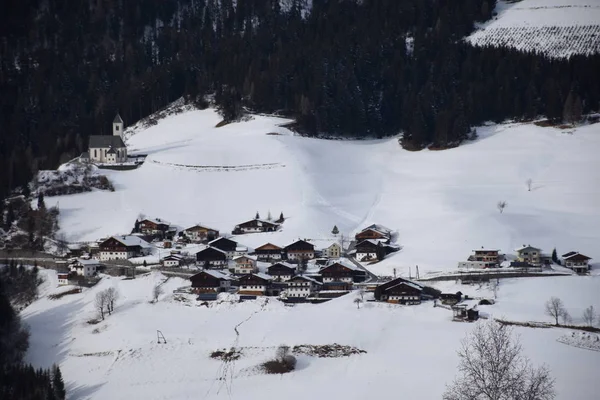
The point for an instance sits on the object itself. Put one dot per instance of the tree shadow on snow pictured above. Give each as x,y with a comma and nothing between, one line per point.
82,391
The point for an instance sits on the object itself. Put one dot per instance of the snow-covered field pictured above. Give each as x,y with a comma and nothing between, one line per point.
557,28
410,348
442,203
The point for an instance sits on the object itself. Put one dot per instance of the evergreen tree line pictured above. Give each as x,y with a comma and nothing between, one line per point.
345,67
20,381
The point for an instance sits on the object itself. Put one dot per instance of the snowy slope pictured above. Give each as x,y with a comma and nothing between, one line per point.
410,347
442,203
557,28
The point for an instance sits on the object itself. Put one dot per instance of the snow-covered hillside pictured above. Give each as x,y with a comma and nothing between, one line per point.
442,203
557,28
407,347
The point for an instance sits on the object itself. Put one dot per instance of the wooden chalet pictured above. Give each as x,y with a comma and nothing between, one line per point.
210,282
85,268
369,250
63,278
339,276
268,252
301,286
211,257
529,254
244,265
227,245
403,291
172,260
300,250
123,247
375,231
488,256
255,226
254,284
576,261
282,271
153,226
200,234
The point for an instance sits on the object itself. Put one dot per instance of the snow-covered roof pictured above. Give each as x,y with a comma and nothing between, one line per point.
217,274
173,257
262,275
378,228
525,247
285,264
157,221
575,255
245,256
198,227
131,240
83,261
345,263
485,249
213,248
306,278
409,284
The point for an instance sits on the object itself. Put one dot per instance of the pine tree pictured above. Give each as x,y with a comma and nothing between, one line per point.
281,219
335,230
257,216
269,217
555,257
58,384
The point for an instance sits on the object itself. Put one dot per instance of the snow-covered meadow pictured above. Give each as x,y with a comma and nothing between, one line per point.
442,203
407,347
556,28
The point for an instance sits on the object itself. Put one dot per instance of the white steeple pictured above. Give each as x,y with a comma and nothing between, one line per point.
118,126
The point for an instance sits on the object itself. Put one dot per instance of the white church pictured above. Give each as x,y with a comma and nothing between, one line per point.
107,149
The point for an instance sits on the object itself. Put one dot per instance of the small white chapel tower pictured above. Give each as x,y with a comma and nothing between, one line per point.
118,126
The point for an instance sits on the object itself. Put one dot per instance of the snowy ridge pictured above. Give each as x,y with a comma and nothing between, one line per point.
556,28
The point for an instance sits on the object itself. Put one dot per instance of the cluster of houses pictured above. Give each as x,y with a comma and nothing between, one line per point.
527,257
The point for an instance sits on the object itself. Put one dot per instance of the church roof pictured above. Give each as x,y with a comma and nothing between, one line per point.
111,151
103,141
117,119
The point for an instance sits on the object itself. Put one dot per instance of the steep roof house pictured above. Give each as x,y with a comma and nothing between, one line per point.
282,271
229,246
200,233
209,281
401,291
254,284
268,252
85,268
153,226
374,231
172,260
300,249
244,265
211,257
339,274
332,251
490,256
369,250
576,261
108,149
529,254
123,247
301,286
255,226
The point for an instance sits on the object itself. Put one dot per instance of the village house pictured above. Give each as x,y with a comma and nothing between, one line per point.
209,281
85,268
211,257
466,310
254,284
529,254
268,252
282,271
576,261
332,251
400,291
244,265
489,256
340,275
63,278
230,247
300,250
200,233
301,286
151,226
123,248
172,260
370,250
108,149
255,226
375,231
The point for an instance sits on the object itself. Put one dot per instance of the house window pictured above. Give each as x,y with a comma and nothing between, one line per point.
95,155
117,128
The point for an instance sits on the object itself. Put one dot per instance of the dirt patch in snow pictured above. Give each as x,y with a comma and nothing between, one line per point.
226,355
327,350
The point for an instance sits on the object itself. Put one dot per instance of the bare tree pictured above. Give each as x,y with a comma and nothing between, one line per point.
281,352
61,243
357,301
501,206
589,316
100,303
492,368
566,317
112,294
555,308
494,283
529,183
156,292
